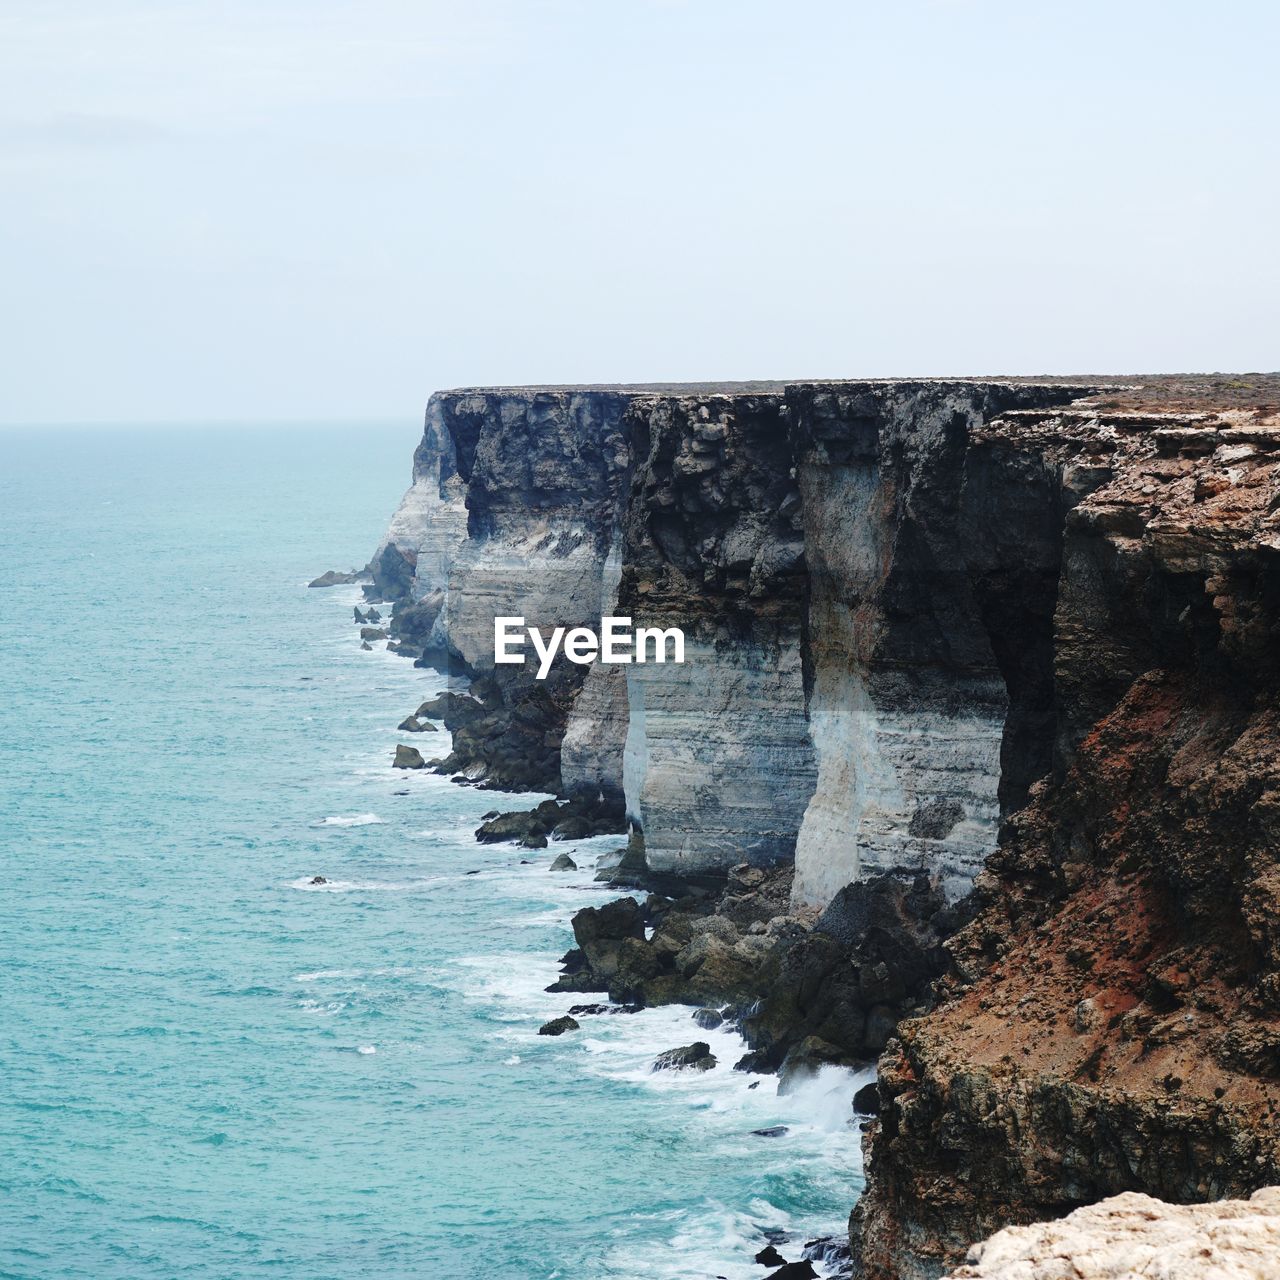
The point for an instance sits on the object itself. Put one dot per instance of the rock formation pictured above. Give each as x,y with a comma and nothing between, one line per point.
1135,1237
840,685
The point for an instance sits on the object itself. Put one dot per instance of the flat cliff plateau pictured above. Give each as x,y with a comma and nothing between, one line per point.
974,759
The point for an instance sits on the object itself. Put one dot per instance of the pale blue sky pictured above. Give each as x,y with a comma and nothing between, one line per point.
301,208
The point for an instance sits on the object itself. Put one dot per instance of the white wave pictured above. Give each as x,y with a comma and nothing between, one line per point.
366,1048
705,1240
351,820
307,884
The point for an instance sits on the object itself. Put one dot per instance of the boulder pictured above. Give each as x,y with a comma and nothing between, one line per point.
563,863
408,758
770,1257
832,1251
534,841
689,1057
708,1019
455,709
794,1271
558,1026
866,1102
318,880
510,826
411,724
372,633
600,932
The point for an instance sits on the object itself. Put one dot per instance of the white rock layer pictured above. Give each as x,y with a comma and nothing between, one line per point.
1135,1237
718,765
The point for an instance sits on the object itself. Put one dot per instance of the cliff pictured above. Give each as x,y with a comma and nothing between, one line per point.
933,627
844,690
1111,1020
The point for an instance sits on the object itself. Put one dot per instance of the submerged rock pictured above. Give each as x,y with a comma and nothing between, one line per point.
689,1057
558,1026
408,758
318,880
806,1060
832,1251
794,1271
332,578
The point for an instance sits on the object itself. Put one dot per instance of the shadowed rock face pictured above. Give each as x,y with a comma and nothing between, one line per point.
718,765
1112,1018
907,657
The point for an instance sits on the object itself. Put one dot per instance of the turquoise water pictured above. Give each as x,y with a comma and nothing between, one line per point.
210,1068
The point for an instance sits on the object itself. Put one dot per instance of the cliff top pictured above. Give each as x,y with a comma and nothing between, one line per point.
1163,392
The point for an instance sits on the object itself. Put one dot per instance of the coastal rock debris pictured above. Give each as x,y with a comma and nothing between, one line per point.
691,1057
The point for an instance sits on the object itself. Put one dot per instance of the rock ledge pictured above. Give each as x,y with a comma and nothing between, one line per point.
1132,1235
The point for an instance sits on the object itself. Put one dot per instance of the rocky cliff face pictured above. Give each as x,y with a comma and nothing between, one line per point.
718,763
514,511
1112,1019
842,685
910,670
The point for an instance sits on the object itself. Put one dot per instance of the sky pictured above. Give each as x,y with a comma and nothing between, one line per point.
305,209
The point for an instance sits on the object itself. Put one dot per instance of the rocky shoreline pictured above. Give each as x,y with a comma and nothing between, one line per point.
971,767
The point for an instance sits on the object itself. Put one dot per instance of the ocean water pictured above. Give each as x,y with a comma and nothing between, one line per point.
210,1068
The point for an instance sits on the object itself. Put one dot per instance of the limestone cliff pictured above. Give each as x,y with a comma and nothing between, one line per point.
910,672
842,683
1112,1019
718,766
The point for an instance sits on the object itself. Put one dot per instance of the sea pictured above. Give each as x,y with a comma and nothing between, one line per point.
211,1067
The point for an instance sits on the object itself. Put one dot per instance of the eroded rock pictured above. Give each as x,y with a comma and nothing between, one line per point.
1133,1235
